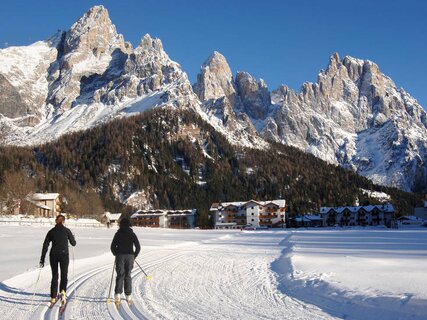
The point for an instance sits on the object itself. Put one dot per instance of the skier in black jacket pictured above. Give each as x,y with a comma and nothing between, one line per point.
59,236
122,248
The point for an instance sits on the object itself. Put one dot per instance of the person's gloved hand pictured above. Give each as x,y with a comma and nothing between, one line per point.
41,264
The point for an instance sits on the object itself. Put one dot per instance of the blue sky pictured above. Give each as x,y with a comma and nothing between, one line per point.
283,42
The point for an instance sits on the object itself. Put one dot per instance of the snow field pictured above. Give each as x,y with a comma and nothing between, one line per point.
214,274
358,273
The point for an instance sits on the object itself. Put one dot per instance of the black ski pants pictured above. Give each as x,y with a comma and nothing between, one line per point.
124,266
61,260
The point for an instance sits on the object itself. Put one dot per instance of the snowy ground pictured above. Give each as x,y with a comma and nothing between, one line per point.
196,274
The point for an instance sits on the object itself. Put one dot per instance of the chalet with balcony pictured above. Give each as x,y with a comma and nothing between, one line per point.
252,213
372,215
175,219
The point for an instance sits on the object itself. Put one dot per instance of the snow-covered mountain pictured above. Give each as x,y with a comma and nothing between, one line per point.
352,116
83,77
356,117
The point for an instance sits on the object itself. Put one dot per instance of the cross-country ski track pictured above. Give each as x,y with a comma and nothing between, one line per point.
217,277
197,274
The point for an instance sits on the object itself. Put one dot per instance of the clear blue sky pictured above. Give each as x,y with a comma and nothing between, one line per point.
283,42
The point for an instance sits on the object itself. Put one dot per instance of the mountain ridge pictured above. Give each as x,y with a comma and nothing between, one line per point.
90,75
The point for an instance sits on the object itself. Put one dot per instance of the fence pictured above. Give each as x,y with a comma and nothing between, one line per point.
50,223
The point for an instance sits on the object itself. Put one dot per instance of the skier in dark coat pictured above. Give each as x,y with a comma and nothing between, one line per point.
125,247
59,236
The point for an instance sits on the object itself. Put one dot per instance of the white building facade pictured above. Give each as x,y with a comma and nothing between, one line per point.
256,214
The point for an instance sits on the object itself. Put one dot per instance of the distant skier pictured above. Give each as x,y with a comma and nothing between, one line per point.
125,247
59,236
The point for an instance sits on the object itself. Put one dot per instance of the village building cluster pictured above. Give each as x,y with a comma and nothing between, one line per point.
248,215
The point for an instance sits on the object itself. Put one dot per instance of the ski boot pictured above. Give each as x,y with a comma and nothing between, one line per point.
63,296
129,299
52,302
117,300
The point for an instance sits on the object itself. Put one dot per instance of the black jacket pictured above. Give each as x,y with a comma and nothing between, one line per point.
123,242
59,236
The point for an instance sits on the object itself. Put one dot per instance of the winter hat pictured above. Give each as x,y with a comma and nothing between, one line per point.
124,223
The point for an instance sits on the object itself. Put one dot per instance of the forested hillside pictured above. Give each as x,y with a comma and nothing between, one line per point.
177,161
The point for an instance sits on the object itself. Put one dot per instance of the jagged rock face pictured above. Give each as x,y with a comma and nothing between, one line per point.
83,77
355,116
12,105
93,32
23,79
215,88
254,95
90,47
221,102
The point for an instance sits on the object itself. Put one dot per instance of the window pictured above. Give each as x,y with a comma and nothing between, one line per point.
253,219
252,213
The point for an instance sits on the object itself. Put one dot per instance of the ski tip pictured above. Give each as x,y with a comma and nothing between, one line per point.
108,300
148,277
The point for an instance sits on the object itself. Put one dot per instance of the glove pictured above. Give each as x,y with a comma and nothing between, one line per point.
41,264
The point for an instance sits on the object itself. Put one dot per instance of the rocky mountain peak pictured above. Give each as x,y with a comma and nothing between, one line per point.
149,43
334,63
215,79
93,31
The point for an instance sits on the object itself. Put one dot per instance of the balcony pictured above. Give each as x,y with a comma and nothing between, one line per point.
268,216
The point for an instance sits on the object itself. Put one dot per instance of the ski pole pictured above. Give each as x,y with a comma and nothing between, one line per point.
111,282
74,277
35,287
148,277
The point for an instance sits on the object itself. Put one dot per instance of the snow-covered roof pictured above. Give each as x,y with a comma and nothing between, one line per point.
279,202
38,205
44,196
214,206
184,214
158,212
382,207
308,218
153,214
302,219
410,218
113,216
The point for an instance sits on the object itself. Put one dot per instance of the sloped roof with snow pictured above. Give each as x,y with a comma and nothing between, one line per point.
158,212
279,202
113,216
44,196
382,207
409,218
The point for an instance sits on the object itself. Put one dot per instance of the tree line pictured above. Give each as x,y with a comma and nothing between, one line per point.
179,161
